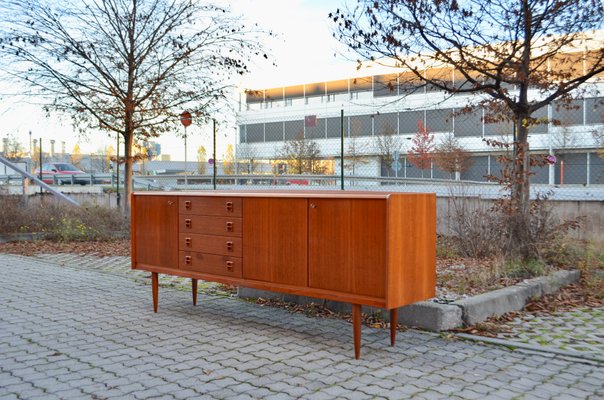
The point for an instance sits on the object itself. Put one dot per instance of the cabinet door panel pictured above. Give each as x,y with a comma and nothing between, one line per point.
347,245
156,232
275,240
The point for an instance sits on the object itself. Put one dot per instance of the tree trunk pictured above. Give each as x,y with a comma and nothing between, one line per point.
520,193
128,139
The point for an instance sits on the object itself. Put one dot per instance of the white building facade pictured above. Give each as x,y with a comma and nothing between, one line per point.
383,102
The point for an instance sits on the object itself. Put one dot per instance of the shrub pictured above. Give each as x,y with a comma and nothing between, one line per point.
476,228
59,221
12,215
484,231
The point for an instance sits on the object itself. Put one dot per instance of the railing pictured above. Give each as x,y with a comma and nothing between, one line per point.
57,179
442,187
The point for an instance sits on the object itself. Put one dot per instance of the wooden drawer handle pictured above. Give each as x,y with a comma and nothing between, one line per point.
187,223
188,205
188,242
188,260
229,246
229,266
229,227
229,206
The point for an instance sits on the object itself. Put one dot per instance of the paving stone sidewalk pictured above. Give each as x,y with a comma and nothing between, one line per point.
72,333
579,331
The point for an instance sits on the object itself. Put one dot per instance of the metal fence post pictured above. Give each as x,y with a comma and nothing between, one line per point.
342,149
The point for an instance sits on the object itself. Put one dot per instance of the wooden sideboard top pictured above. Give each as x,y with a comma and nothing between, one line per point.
336,194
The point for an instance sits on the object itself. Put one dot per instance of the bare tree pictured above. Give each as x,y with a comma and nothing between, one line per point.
13,149
388,143
228,162
500,49
356,152
599,138
450,157
598,134
128,66
76,156
201,160
101,160
563,138
302,155
247,159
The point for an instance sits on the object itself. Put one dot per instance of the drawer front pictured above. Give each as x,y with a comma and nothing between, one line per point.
221,245
224,226
211,264
220,206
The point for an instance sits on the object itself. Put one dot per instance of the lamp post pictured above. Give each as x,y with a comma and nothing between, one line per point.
33,161
186,119
117,169
41,168
31,154
214,154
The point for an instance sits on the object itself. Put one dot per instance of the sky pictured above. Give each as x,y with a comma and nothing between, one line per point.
303,49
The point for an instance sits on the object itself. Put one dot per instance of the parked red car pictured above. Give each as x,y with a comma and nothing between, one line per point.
63,172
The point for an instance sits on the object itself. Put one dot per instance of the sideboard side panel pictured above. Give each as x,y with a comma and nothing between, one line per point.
411,248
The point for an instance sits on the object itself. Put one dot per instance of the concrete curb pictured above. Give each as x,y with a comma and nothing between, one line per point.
478,308
441,317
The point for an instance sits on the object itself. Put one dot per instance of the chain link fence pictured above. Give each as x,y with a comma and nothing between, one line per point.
424,151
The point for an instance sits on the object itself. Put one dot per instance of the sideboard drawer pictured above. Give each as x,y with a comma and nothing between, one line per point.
211,225
222,245
211,264
220,206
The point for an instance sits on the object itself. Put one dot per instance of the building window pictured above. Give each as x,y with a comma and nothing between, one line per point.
354,95
329,98
288,102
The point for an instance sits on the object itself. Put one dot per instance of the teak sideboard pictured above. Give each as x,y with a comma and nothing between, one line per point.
364,248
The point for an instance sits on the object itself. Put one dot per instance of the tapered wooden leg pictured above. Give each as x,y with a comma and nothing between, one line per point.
393,325
194,290
154,285
356,329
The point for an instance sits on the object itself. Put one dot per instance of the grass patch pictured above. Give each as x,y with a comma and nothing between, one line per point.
524,269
